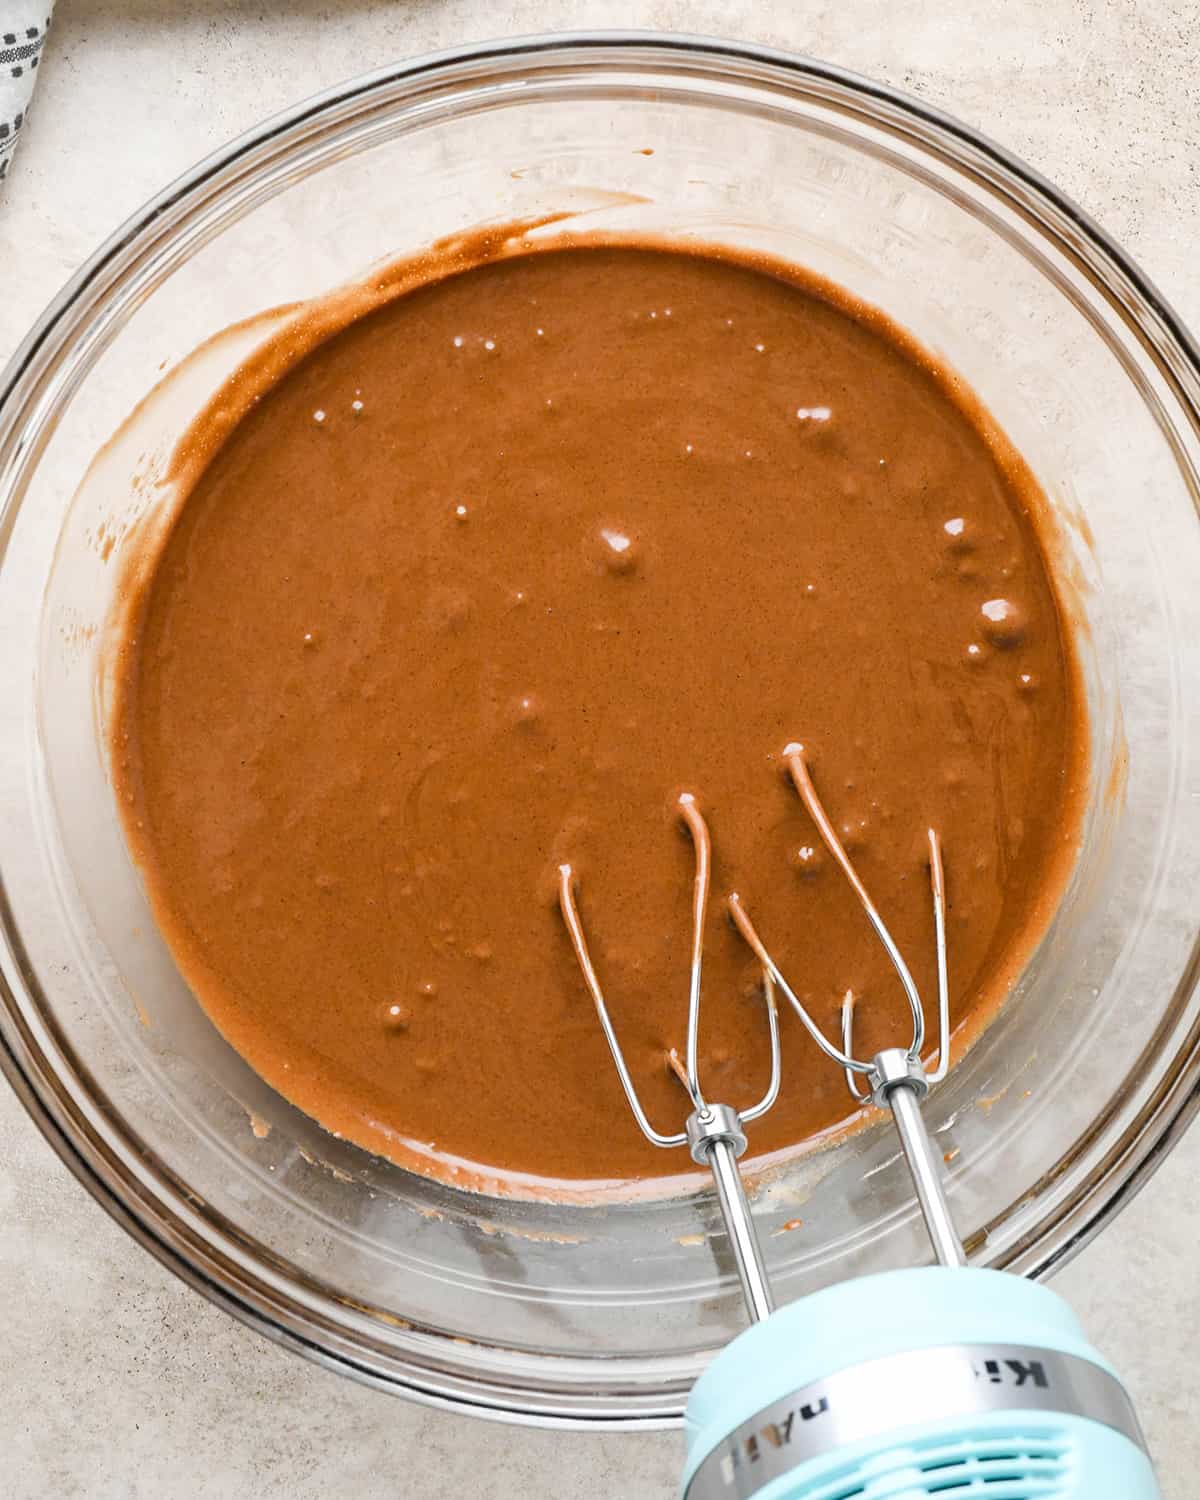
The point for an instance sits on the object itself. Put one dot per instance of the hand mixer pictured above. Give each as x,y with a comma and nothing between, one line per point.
930,1381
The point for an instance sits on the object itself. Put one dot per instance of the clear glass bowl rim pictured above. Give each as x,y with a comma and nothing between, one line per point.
256,1293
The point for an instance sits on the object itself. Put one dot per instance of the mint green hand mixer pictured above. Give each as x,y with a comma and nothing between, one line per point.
933,1381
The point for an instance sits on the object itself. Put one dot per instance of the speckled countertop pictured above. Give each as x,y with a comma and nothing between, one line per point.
119,1381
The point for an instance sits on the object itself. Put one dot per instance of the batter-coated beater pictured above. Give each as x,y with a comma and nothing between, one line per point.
932,1381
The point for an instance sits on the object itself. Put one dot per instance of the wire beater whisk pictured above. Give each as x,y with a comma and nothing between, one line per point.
714,1133
896,1076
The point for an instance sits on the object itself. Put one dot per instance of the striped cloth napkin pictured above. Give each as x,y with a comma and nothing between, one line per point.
23,28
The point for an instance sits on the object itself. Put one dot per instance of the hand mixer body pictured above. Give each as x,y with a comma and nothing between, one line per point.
913,1384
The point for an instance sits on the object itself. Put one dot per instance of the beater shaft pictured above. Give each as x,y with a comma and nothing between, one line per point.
717,1138
743,1239
905,1104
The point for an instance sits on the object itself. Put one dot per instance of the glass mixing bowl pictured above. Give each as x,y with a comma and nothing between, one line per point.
603,1313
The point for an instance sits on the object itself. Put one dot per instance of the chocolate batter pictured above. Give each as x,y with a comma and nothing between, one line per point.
476,585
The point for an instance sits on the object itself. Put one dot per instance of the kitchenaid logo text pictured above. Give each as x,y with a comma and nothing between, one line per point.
773,1436
1016,1372
744,1454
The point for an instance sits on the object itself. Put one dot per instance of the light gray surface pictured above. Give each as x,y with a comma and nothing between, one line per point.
119,1381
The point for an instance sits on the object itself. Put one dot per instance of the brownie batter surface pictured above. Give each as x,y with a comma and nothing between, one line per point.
477,587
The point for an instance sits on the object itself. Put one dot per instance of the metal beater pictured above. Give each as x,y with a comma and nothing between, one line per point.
896,1076
897,1386
714,1133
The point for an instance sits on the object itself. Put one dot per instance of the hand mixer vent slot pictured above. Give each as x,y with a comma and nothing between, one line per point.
1001,1465
1004,1466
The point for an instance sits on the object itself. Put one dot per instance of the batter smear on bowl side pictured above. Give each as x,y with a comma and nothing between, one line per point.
480,578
